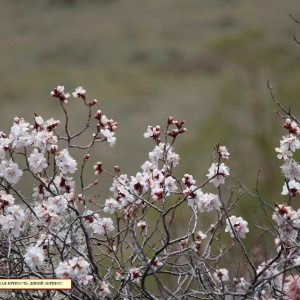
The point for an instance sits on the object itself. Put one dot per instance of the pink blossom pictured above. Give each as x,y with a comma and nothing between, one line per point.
63,238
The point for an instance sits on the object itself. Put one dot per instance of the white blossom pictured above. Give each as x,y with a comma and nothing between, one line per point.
43,140
223,152
10,171
64,270
193,195
221,275
58,92
104,290
152,132
188,180
79,92
109,135
218,173
291,169
65,162
40,192
142,224
156,154
34,257
288,145
135,275
19,135
103,226
84,278
79,265
59,203
208,202
111,205
17,212
4,146
237,226
156,264
37,161
200,235
291,187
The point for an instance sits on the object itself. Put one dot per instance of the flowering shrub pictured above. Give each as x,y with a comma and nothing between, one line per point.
131,246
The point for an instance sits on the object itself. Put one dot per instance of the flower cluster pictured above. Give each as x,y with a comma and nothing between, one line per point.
12,216
46,218
77,267
106,127
148,227
288,145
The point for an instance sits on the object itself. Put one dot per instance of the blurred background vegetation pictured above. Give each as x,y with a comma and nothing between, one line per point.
207,62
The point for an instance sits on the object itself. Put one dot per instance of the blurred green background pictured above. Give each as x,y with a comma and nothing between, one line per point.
207,62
